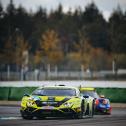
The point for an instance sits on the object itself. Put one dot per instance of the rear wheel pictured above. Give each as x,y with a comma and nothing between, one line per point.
90,110
93,108
87,110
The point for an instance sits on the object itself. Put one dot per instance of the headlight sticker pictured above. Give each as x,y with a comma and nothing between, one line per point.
30,103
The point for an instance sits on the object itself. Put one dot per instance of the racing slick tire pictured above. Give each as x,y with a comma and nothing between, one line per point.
87,110
90,112
81,114
93,108
40,117
26,116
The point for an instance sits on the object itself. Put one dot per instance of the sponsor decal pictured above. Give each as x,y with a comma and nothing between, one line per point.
48,107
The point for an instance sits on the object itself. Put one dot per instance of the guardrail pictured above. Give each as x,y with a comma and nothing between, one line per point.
85,83
64,75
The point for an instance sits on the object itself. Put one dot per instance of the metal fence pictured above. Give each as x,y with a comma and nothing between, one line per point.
59,75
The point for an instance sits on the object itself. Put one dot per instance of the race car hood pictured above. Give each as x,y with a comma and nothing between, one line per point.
51,98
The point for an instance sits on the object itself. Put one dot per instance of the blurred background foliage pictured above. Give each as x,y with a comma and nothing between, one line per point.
68,40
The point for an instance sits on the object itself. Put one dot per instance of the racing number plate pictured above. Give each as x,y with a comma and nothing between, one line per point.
48,107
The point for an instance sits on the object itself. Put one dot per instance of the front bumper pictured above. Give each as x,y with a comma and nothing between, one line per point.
103,110
49,112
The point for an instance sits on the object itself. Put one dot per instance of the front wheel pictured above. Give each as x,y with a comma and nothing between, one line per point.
87,110
26,116
81,113
41,117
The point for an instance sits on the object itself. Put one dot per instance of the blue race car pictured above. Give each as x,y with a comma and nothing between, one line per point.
102,105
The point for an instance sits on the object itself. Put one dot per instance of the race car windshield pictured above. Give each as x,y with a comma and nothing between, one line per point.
90,93
55,92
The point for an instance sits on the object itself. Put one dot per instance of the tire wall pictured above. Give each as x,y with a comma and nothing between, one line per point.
117,95
114,94
14,93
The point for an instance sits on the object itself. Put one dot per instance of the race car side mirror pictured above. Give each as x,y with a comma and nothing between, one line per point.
86,96
26,95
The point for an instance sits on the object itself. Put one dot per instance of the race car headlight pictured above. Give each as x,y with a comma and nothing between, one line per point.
68,104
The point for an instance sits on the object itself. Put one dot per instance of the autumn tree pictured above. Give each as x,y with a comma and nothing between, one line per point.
38,58
21,51
50,47
84,49
90,57
100,59
7,54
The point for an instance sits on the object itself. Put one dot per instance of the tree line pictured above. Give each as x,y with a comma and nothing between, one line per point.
68,40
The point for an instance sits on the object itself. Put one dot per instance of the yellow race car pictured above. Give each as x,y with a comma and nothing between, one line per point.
55,101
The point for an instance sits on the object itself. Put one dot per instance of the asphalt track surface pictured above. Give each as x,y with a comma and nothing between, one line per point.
10,116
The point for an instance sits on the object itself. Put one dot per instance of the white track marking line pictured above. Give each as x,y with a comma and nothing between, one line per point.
10,118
